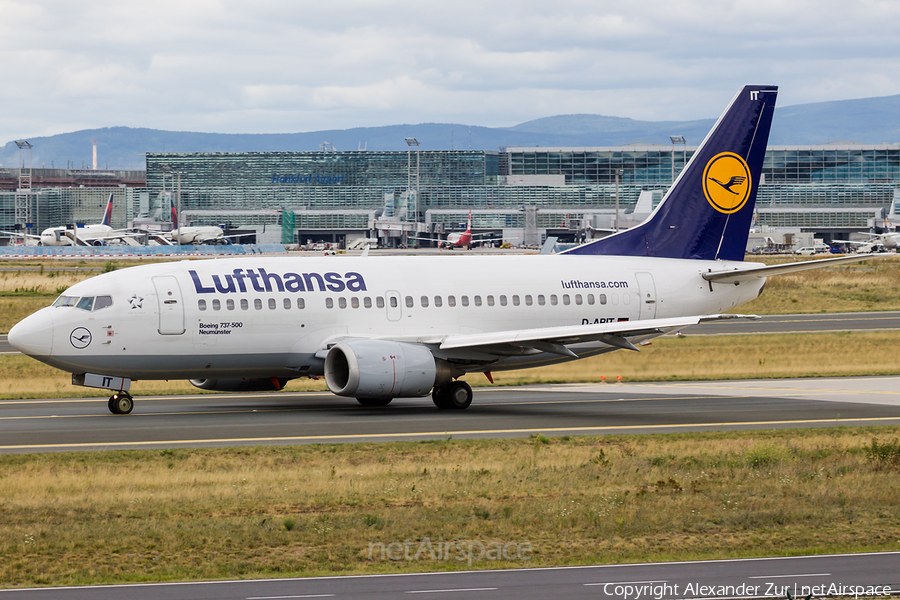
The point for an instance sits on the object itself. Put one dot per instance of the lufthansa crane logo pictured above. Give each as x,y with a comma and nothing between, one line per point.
726,182
80,338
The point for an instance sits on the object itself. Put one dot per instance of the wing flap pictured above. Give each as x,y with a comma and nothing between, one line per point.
542,338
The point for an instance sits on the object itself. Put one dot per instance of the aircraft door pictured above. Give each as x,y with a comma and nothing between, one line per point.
171,305
392,304
647,294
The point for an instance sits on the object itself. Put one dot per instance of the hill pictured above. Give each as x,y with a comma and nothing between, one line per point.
863,121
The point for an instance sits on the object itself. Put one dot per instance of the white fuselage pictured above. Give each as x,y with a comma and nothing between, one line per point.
197,234
276,317
61,236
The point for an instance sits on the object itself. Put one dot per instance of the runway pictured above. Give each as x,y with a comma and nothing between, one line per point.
302,418
771,324
850,575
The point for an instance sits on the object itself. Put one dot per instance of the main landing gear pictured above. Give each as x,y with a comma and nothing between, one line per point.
121,403
456,395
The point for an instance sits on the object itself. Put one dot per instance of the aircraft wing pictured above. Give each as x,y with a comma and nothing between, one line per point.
747,274
21,235
621,334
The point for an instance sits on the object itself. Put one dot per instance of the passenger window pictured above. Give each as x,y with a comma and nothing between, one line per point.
271,303
515,299
393,301
490,300
502,300
626,298
367,302
424,301
102,302
590,298
541,300
409,302
528,301
566,299
554,300
477,300
379,301
329,302
354,302
201,304
342,302
301,303
602,298
85,303
451,300
244,304
464,300
216,304
287,304
614,298
578,299
229,304
257,304
438,301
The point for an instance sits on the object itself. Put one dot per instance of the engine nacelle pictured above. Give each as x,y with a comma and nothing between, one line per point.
383,369
259,384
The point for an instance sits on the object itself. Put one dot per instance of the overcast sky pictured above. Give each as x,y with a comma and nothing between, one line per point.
278,66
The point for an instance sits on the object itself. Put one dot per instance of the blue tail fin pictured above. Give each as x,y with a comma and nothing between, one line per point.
707,213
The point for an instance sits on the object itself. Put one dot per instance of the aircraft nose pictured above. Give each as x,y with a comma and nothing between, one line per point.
33,335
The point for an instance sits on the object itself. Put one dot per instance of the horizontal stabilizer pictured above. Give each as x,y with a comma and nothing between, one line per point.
750,273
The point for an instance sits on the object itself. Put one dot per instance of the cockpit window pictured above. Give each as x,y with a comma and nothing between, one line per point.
86,303
102,302
66,301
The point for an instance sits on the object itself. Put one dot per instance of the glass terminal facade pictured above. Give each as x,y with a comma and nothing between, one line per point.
834,186
817,188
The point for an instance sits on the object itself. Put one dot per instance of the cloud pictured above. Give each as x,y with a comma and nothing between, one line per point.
281,66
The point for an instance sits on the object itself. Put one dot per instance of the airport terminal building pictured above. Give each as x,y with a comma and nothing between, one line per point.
520,194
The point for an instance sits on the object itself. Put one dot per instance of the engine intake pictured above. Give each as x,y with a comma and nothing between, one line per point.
383,369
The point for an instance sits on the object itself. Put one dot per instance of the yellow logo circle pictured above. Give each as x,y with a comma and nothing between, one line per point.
726,182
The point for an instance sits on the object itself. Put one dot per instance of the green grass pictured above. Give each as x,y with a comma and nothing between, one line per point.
191,514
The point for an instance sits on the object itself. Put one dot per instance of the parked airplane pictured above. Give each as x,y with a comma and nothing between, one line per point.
466,238
198,234
97,234
461,240
380,328
888,241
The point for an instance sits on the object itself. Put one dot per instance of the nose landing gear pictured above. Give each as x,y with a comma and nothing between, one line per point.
121,403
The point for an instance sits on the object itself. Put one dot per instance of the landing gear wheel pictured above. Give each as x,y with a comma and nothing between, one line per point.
456,395
374,401
121,403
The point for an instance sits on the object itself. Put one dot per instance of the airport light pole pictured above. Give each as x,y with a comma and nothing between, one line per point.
619,173
678,139
177,174
410,142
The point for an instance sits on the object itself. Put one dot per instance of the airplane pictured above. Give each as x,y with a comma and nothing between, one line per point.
888,241
379,328
198,234
96,234
461,240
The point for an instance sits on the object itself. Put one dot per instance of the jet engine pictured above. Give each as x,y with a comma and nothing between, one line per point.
383,369
260,384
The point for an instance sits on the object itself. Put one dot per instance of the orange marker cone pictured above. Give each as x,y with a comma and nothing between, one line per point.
603,379
618,379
